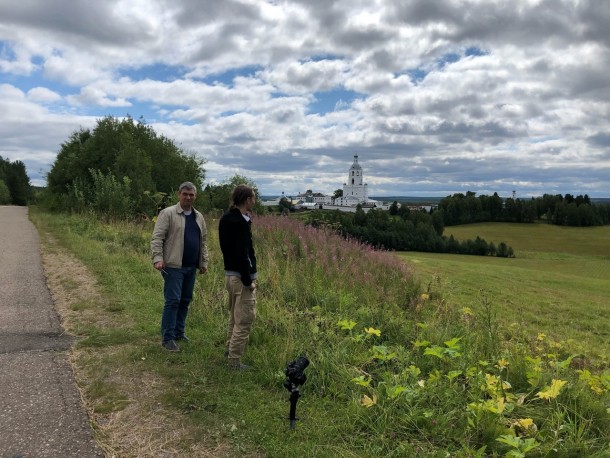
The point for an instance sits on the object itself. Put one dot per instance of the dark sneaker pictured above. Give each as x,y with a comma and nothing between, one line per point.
240,367
184,338
171,345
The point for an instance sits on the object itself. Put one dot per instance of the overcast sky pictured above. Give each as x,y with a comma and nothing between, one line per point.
434,96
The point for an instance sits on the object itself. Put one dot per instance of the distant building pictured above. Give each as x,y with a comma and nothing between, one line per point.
310,197
355,192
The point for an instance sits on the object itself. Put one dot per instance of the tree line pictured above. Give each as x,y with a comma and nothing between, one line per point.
567,210
15,188
405,230
119,169
123,169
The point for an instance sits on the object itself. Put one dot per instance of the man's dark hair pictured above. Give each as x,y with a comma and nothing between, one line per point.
241,193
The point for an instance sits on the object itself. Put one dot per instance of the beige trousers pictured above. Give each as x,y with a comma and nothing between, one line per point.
242,312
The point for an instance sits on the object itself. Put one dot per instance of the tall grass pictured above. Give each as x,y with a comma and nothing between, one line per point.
395,370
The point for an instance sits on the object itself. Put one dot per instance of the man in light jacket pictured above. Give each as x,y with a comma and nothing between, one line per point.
179,249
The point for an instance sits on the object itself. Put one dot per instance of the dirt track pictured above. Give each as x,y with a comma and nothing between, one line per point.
41,413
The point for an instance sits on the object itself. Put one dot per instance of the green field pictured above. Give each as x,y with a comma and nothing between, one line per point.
397,369
558,283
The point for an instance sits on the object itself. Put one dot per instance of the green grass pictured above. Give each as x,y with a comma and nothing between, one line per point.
559,282
427,377
540,238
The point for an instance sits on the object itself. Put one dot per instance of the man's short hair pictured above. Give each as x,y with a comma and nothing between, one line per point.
241,193
187,185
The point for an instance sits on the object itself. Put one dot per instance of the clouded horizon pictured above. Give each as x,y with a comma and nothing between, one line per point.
435,96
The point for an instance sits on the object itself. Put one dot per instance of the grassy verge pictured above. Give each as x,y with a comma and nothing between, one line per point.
395,370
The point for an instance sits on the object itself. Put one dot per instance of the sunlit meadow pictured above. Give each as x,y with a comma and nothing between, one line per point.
396,370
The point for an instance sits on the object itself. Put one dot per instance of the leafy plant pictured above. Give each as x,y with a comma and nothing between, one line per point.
520,446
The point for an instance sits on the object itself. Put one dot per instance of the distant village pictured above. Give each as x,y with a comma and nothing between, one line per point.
355,193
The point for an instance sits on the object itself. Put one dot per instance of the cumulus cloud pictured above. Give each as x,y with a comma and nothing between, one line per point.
92,96
435,97
30,132
43,95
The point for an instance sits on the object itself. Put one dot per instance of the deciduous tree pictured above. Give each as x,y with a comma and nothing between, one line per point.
16,180
124,148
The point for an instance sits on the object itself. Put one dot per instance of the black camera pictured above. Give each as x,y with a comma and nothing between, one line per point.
294,373
294,378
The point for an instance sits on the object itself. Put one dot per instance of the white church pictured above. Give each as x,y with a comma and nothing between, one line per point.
355,192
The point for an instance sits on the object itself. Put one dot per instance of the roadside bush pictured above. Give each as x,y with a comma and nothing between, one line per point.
5,194
110,197
129,151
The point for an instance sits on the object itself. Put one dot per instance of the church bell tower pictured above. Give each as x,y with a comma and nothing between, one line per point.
355,177
355,190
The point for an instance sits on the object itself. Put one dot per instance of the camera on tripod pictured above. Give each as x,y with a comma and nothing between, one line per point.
294,373
295,377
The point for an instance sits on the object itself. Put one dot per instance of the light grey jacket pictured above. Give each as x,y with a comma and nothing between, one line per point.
167,242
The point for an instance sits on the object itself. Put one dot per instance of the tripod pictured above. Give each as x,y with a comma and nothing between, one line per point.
294,397
294,378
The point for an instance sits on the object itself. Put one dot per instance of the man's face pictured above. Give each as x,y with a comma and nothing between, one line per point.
250,202
187,197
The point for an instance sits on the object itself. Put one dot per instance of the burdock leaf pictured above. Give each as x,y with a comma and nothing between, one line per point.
553,391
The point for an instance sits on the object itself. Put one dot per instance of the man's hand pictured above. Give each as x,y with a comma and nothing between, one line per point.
203,270
159,265
252,286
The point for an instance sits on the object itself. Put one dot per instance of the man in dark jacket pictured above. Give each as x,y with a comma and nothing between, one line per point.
235,235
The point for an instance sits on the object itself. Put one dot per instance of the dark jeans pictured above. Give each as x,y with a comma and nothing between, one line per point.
178,292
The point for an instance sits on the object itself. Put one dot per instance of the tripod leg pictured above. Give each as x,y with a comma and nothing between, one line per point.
294,397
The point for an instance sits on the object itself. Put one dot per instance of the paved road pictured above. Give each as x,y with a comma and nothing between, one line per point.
41,413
